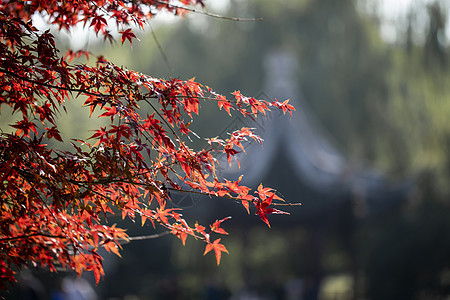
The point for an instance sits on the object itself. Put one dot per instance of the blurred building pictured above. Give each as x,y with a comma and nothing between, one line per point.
301,162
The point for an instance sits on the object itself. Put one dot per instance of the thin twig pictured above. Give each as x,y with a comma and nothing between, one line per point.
26,236
163,54
210,14
182,191
53,86
145,237
100,95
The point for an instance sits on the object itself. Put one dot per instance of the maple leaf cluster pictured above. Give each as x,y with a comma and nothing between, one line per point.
54,204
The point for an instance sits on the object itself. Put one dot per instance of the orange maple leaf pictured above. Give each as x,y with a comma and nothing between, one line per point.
216,226
218,249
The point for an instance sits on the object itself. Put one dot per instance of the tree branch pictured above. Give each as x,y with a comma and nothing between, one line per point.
53,86
26,236
146,237
209,14
109,181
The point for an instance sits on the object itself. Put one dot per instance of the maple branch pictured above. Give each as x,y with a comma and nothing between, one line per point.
208,13
286,204
100,95
108,181
26,236
241,110
54,86
179,190
145,237
196,97
229,197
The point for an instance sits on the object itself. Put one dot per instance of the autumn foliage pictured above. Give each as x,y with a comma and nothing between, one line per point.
55,203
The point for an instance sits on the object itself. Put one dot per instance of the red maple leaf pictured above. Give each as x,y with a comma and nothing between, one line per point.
223,102
53,133
263,209
24,127
98,22
216,226
218,249
128,35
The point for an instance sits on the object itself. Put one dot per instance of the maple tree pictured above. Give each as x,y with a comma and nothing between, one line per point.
55,203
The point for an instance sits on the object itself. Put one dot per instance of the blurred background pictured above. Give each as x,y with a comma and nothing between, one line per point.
366,152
